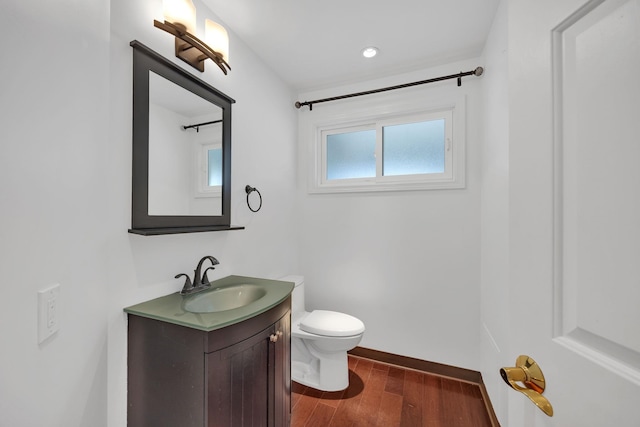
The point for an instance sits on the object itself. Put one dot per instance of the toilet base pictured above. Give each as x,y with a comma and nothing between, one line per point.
329,373
303,374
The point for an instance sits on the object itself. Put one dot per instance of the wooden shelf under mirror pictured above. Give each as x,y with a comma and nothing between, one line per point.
181,230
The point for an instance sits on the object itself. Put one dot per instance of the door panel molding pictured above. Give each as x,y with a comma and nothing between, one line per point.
589,312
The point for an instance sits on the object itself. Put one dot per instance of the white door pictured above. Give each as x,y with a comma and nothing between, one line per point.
574,115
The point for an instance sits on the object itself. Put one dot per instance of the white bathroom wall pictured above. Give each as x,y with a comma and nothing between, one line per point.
65,186
406,263
54,87
263,156
494,253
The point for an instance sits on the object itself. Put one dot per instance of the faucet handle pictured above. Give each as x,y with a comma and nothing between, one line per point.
205,279
187,283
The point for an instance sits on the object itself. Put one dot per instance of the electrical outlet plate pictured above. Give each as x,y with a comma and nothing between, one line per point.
48,315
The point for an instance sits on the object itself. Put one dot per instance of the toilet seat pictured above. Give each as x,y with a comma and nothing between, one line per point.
331,324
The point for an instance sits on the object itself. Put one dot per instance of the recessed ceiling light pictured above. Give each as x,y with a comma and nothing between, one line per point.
369,52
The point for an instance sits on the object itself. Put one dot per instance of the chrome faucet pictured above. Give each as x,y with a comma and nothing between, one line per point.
200,280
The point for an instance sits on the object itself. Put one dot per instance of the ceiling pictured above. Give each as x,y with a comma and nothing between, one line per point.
317,43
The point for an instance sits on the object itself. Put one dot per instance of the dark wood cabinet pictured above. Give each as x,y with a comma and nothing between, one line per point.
239,375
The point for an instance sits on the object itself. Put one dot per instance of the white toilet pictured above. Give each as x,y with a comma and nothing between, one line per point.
319,343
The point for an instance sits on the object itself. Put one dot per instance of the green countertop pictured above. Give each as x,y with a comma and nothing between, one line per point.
170,308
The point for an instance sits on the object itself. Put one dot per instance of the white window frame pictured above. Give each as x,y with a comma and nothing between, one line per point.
452,178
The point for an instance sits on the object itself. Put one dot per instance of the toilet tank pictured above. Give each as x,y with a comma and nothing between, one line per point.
297,296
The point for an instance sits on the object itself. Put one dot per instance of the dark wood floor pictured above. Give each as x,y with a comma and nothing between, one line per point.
387,396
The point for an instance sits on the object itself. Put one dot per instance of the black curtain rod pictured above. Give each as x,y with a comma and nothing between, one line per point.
477,72
197,126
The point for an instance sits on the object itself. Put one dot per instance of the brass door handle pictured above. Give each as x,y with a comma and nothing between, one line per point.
530,375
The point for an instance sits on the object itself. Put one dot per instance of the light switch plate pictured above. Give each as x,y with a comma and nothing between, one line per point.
48,315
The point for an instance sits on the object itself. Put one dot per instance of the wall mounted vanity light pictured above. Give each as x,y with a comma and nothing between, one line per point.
180,21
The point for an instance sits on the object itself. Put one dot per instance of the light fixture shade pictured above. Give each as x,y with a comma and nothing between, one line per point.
180,12
217,38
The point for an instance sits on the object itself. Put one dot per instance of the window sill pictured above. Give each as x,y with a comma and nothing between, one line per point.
392,186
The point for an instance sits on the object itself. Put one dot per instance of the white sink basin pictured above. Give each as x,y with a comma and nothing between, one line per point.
223,299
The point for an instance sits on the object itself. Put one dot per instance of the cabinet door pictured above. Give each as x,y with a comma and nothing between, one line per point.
281,380
165,374
238,383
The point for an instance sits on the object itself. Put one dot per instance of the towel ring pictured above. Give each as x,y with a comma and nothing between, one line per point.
249,189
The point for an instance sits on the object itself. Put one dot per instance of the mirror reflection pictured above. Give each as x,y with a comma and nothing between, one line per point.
185,151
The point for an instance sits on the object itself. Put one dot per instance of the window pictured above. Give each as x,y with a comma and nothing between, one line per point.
416,151
214,166
209,177
414,148
350,154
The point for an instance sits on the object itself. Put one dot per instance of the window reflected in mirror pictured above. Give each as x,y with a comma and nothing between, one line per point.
214,167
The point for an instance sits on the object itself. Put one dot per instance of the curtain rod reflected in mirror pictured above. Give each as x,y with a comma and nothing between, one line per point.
197,125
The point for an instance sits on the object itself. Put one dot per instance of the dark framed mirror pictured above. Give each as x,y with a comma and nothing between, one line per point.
181,181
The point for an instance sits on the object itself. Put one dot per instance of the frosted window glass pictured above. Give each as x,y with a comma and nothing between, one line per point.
215,166
413,148
351,155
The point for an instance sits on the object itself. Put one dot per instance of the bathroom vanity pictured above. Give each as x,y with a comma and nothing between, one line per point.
228,367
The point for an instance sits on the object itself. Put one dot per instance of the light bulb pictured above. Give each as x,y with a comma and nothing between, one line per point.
180,12
217,38
369,52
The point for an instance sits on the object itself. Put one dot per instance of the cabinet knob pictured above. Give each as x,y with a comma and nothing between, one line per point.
274,337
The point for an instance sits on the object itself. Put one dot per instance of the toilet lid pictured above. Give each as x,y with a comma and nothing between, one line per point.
331,324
